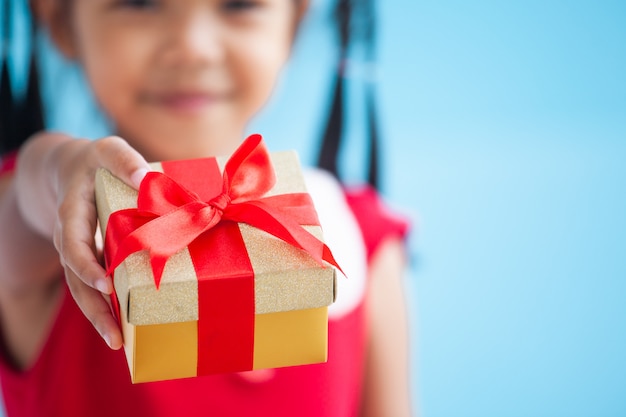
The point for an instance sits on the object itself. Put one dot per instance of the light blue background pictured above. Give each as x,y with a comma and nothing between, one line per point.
504,128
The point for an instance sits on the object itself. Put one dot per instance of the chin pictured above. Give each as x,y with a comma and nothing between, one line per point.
176,139
207,144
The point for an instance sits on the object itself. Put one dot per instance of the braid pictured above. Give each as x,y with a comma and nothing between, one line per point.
18,119
333,133
374,142
329,151
6,110
30,118
369,27
6,97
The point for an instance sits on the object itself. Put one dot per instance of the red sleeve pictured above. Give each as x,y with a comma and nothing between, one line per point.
7,163
376,220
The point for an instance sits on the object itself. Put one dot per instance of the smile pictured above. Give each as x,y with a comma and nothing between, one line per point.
184,102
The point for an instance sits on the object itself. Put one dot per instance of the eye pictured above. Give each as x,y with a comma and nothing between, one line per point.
240,5
138,4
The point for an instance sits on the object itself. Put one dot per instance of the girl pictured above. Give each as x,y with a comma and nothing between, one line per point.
180,79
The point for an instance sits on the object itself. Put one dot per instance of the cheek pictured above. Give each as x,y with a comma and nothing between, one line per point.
112,65
260,67
103,80
115,74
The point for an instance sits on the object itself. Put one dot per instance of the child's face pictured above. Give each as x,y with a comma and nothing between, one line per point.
182,78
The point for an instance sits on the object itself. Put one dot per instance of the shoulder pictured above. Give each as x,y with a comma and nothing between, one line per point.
342,235
377,221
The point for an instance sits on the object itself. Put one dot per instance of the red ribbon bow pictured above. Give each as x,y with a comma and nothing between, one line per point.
169,217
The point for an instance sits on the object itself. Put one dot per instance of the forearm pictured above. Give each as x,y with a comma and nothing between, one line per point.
28,258
36,182
29,268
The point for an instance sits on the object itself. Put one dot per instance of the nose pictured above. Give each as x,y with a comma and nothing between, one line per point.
194,38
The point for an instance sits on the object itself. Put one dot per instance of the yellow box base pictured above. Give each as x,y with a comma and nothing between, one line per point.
169,351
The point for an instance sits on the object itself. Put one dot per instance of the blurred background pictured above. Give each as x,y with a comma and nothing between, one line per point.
503,128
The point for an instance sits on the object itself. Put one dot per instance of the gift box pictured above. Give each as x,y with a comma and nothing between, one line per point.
218,265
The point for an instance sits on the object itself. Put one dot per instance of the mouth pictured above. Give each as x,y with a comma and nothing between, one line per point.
183,102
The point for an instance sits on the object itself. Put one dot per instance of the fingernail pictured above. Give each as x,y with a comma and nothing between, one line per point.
137,177
103,286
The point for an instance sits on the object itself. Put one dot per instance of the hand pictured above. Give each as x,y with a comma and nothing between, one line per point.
75,163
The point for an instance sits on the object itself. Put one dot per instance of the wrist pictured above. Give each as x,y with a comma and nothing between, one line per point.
36,183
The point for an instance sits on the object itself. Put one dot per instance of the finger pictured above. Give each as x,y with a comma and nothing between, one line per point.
75,243
116,155
97,310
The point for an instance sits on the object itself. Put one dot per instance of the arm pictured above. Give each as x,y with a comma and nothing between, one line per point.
49,204
24,310
386,391
20,271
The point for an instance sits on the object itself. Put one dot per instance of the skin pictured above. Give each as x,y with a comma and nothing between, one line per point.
181,78
386,390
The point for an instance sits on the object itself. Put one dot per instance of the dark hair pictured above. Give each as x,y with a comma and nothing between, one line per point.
354,17
19,117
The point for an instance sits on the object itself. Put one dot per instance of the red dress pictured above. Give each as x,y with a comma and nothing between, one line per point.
77,375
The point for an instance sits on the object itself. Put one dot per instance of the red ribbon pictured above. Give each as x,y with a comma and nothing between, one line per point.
170,217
